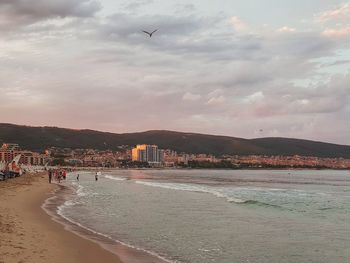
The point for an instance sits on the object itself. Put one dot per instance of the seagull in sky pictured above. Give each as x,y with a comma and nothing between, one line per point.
148,33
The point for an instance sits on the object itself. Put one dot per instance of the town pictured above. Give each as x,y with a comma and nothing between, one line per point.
150,156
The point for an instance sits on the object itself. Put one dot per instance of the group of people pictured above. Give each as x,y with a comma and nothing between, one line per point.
61,174
57,174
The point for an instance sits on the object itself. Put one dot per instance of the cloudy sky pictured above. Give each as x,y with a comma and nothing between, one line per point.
242,68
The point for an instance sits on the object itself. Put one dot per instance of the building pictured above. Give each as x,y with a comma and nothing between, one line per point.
147,153
9,151
32,158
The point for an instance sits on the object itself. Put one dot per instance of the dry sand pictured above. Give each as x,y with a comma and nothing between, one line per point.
27,233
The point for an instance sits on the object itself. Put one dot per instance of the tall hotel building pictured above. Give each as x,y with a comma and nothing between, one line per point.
147,153
8,151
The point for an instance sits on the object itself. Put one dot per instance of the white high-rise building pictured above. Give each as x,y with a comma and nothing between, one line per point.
147,153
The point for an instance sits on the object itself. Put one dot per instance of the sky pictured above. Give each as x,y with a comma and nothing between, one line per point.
272,68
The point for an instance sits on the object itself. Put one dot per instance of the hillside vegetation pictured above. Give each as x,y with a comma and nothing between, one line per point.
40,138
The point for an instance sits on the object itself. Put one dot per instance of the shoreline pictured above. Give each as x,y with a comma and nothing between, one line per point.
125,252
28,233
219,169
32,229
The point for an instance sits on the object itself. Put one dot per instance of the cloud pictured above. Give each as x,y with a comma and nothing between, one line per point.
123,27
304,45
341,12
216,100
198,38
184,8
24,12
255,97
336,63
195,74
337,32
327,98
191,97
134,5
238,24
286,29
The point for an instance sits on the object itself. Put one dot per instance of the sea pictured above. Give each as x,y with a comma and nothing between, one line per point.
226,216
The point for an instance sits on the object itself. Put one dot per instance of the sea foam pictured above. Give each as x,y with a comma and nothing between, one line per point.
114,178
194,188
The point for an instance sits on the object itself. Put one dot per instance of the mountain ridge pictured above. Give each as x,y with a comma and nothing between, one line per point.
40,138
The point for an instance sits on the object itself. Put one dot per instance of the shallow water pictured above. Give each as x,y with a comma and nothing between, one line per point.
220,216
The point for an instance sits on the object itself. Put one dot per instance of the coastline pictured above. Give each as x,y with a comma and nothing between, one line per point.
32,230
126,253
28,234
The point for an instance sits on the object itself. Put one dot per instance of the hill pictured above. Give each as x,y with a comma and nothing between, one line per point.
40,138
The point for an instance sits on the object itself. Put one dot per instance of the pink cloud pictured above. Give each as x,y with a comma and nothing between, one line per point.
337,13
338,32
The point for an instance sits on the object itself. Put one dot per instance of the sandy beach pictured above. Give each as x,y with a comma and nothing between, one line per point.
28,234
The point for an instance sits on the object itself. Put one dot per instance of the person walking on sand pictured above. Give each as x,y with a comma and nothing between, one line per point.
78,177
96,176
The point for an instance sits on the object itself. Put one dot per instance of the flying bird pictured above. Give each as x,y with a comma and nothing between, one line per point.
148,33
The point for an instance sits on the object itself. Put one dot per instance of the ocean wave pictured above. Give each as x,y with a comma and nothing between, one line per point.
194,188
326,208
114,178
282,199
259,203
79,189
216,192
70,203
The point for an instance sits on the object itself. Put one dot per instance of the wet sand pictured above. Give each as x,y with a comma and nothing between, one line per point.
28,234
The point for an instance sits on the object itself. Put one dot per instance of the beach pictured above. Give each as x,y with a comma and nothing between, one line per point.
28,234
197,216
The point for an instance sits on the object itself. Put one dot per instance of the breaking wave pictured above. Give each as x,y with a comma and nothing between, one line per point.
193,188
114,178
210,190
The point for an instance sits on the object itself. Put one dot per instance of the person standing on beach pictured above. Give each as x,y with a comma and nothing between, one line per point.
50,176
96,176
78,177
59,177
